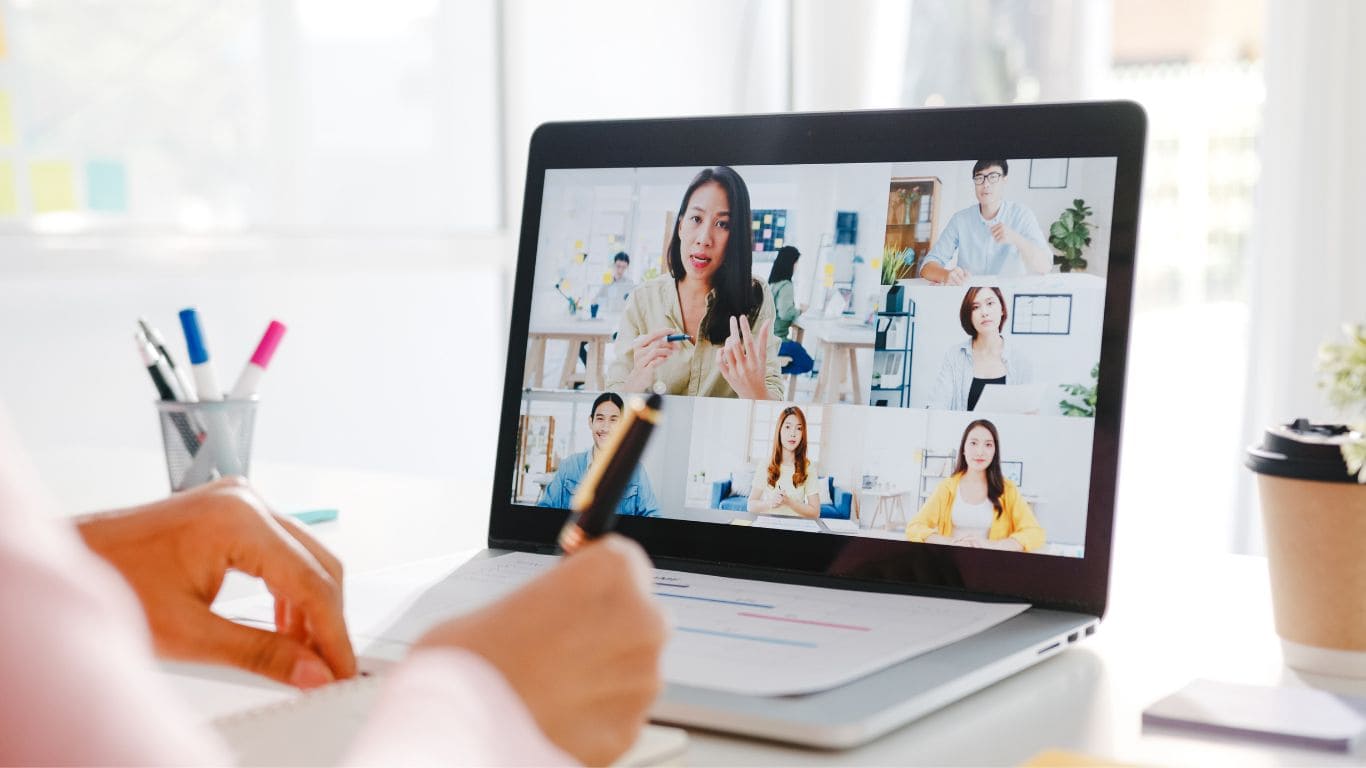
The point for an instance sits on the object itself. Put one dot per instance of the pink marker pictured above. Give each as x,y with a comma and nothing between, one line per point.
256,366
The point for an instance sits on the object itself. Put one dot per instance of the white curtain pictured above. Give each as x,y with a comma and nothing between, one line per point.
1309,247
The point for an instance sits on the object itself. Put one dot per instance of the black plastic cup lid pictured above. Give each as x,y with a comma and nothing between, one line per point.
1303,451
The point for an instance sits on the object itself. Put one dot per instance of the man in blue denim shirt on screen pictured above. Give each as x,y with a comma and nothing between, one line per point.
638,499
994,237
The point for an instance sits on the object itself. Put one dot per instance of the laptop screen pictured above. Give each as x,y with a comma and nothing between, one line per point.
906,351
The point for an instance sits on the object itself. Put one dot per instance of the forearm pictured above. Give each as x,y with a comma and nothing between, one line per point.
811,509
934,272
1037,258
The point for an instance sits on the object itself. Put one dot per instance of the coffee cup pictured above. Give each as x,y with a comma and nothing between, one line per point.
1314,513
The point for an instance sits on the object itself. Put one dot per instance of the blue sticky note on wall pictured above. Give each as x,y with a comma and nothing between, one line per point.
106,186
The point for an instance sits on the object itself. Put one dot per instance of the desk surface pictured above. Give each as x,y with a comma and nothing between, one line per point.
1161,631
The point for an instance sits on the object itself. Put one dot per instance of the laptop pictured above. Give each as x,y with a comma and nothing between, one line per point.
885,505
916,182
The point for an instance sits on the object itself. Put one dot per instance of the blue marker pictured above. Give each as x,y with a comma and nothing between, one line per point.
205,380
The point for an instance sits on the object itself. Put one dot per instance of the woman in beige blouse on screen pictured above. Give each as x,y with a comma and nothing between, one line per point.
709,297
790,489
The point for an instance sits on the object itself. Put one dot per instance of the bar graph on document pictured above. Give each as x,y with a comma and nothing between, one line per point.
752,637
767,639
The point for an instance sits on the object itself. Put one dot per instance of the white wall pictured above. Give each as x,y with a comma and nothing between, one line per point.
1091,179
618,58
1053,360
865,441
395,370
1056,453
719,440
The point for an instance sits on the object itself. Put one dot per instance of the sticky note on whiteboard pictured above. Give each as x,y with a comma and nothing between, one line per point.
9,198
106,186
54,186
6,121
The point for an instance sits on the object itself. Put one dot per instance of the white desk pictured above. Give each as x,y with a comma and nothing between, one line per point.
1159,634
840,340
596,333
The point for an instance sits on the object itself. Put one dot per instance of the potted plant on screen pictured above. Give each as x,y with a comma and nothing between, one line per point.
1081,398
1069,235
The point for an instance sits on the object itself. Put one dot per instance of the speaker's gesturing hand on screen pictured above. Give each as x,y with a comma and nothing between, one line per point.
649,351
743,359
956,276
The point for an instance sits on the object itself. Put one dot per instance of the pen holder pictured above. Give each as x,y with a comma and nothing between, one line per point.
206,440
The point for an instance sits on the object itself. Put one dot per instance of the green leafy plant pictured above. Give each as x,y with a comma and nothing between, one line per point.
895,262
1070,234
1081,399
1343,368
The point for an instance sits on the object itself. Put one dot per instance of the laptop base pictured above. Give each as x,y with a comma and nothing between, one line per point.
867,708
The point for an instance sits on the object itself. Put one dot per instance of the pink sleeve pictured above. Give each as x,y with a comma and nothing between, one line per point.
449,706
80,685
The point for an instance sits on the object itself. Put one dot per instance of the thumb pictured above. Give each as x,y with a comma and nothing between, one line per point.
270,654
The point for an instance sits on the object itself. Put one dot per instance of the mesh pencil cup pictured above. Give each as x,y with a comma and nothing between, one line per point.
206,440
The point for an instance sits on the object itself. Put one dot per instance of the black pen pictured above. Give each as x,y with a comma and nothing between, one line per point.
166,391
186,385
594,504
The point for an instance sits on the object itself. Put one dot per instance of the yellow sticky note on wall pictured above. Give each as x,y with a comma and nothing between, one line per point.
6,121
9,198
54,186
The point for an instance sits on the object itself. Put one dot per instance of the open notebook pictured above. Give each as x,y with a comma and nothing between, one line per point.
315,729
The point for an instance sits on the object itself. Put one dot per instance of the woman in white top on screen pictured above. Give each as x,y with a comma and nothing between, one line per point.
981,360
790,489
978,506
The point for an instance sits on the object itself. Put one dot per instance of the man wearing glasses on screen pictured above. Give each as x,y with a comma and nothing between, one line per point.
994,237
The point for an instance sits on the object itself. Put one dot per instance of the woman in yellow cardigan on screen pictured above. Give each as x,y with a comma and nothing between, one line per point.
977,506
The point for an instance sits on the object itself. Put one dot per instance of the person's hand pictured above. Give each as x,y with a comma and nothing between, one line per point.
1008,544
1003,234
649,351
938,538
778,499
580,645
174,553
969,541
956,276
743,359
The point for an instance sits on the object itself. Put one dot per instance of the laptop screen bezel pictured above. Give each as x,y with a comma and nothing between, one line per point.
1095,129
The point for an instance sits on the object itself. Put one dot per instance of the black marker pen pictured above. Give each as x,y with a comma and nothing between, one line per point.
594,504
